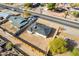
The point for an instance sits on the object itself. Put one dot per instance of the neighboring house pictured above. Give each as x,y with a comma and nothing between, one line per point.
39,29
17,21
3,16
20,22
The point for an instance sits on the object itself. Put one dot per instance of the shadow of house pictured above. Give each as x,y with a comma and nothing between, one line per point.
52,32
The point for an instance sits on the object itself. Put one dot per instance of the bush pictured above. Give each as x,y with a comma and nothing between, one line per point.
75,52
27,5
51,6
8,46
25,14
58,45
75,13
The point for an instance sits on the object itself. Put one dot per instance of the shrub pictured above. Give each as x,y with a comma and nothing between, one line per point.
75,13
8,46
51,6
27,5
43,4
75,52
58,45
25,14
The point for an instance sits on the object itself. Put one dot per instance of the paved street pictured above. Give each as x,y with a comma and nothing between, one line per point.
53,19
66,24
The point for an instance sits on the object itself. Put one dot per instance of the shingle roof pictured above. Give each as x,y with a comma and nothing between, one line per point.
17,21
4,15
40,28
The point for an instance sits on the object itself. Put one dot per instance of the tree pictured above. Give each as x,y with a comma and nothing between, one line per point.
51,6
27,6
25,14
8,46
58,45
75,52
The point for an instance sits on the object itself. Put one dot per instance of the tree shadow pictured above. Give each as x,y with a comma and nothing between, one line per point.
71,44
49,53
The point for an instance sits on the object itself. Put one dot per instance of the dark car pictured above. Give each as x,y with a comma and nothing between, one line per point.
59,10
34,5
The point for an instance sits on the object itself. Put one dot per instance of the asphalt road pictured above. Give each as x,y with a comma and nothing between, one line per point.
46,17
57,20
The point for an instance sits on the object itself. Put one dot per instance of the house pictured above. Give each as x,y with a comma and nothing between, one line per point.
3,17
39,29
20,22
17,21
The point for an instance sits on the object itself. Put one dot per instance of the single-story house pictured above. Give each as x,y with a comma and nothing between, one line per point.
39,29
17,21
4,16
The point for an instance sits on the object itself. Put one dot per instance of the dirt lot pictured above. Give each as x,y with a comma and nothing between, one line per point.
9,27
21,45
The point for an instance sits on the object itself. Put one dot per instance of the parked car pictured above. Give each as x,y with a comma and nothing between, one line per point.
34,5
13,9
59,10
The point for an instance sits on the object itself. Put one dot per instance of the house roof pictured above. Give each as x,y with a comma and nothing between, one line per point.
4,15
40,28
17,20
